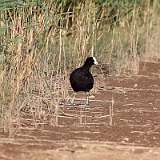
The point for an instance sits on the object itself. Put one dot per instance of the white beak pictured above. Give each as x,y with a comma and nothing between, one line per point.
95,61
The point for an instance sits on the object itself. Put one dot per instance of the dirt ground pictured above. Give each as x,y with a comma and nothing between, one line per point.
131,132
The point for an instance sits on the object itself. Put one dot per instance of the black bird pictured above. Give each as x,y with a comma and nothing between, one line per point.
81,79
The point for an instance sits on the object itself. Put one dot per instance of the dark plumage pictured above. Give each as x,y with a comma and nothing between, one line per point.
81,79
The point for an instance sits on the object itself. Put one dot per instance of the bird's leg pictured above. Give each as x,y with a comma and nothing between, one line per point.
87,98
86,104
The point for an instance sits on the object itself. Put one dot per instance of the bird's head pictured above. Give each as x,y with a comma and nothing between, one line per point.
90,61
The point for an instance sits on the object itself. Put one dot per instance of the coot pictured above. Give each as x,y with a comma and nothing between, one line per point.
81,78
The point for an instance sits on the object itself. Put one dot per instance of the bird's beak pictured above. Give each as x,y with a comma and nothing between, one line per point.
95,61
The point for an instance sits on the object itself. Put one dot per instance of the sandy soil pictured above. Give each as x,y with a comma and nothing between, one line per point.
132,132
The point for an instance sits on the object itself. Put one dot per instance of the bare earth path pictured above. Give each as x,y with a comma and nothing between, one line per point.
134,134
